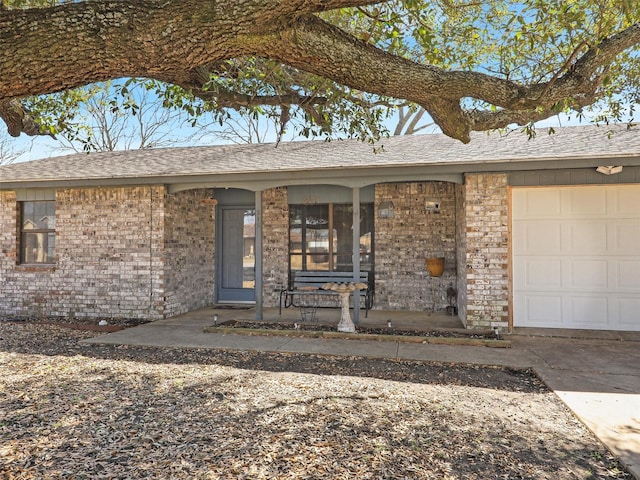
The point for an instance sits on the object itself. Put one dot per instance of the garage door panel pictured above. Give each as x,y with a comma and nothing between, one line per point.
585,237
626,275
539,237
586,275
538,274
586,311
538,203
579,266
584,202
541,310
624,202
624,237
627,315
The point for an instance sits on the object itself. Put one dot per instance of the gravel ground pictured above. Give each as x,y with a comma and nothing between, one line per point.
72,411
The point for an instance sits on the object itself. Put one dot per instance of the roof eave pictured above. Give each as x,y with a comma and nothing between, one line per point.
352,176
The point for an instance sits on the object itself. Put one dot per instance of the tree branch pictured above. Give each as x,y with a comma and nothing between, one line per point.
19,120
315,46
74,44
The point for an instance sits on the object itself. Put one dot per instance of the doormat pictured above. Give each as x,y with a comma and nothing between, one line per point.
232,307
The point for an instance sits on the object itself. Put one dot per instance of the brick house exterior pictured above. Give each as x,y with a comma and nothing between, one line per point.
121,251
136,233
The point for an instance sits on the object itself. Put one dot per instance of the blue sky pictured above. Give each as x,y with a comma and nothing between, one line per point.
45,147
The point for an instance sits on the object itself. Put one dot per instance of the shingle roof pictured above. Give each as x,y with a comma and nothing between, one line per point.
575,143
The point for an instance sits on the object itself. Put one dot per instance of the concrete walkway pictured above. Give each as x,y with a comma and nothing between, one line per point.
597,378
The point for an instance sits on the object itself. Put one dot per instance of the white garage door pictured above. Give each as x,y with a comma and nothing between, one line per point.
576,257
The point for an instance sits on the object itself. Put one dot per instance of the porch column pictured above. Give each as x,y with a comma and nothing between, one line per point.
258,255
356,253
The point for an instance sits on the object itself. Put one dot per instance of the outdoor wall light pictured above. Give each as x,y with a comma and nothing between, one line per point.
385,210
432,206
609,170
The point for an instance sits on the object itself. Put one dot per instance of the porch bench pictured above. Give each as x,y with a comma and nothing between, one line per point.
310,283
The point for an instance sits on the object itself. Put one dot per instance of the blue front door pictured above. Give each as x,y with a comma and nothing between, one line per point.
236,257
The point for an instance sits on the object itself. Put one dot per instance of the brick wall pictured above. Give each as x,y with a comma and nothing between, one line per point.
189,220
404,242
275,215
23,290
9,293
487,257
108,258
